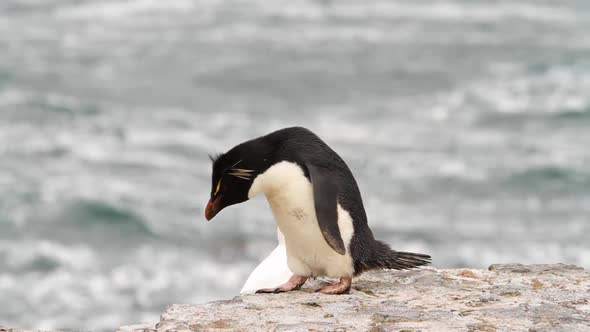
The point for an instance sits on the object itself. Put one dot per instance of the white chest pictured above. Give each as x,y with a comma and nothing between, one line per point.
290,196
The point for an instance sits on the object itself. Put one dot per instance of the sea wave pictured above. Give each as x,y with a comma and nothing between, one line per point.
559,89
453,11
121,10
550,179
81,279
90,216
464,122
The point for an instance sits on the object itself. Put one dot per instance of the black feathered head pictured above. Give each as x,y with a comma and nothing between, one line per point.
234,172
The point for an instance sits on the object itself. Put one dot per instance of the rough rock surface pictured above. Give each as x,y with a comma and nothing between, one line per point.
510,297
513,297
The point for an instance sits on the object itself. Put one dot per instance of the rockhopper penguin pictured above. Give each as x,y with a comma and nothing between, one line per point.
316,204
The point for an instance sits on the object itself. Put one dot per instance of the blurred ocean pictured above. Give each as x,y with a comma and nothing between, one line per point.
466,123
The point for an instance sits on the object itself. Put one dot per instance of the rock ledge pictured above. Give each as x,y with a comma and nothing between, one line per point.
510,297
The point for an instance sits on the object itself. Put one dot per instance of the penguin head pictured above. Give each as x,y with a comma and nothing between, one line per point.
233,175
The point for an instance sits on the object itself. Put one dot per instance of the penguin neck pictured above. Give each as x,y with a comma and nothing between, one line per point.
275,179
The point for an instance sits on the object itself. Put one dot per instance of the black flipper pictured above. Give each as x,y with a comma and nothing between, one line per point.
325,194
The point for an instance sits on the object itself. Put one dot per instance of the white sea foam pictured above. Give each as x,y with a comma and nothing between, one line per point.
438,10
23,254
122,9
81,282
12,96
551,91
308,18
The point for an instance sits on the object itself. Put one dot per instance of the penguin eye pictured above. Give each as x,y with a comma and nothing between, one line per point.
217,188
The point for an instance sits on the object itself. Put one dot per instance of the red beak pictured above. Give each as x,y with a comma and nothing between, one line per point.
213,208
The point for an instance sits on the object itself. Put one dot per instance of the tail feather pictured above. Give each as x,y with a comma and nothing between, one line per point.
382,257
407,260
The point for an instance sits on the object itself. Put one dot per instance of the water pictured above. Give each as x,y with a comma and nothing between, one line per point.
466,123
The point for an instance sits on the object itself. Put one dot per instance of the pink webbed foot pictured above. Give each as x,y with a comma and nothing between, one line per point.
294,283
341,287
